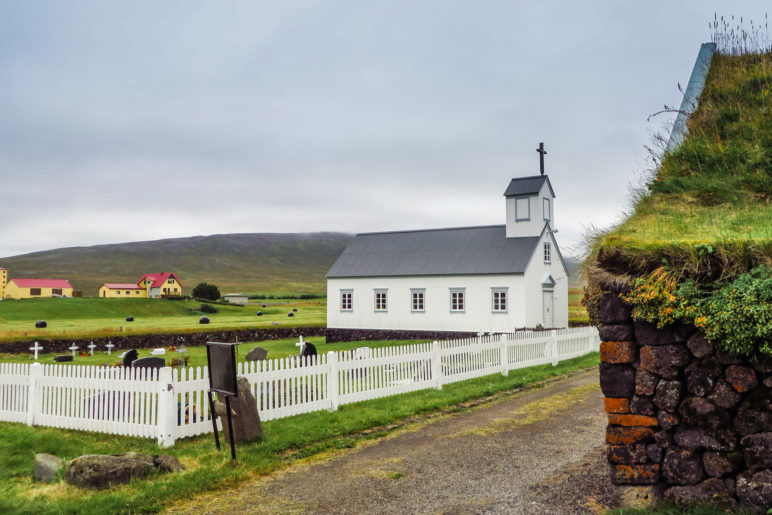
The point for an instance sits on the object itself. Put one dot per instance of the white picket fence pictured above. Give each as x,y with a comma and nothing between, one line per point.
171,403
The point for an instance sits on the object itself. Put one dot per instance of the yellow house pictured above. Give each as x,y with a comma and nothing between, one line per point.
150,286
36,288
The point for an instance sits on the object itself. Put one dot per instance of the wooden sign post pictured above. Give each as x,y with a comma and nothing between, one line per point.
221,358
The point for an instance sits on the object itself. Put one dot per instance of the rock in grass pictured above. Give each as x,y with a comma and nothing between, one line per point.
203,320
101,471
46,466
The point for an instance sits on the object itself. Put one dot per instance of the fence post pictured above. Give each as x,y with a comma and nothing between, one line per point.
332,380
436,366
504,356
554,346
167,408
35,373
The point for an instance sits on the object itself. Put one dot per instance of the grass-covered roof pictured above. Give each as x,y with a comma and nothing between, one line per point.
707,209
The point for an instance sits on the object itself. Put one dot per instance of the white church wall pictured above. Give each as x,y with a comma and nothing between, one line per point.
537,207
535,272
437,315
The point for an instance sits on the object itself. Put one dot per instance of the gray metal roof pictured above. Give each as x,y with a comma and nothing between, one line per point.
456,251
527,186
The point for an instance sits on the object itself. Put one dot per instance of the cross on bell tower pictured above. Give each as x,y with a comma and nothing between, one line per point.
541,152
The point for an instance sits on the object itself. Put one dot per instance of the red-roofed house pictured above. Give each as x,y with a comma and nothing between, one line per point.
150,286
35,288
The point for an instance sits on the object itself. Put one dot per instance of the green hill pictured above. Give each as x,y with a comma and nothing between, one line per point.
261,263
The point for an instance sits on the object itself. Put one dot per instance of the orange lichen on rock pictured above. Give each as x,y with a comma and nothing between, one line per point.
632,420
613,405
623,435
617,352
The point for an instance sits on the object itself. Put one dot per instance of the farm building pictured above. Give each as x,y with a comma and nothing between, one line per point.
468,279
36,288
150,286
236,298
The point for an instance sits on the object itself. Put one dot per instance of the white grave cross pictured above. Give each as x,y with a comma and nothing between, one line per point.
300,343
73,348
36,348
109,347
91,347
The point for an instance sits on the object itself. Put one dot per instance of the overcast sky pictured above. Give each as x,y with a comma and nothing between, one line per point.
128,121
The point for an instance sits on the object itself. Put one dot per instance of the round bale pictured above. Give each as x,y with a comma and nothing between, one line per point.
203,320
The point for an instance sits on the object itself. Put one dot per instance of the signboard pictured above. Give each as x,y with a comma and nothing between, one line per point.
221,358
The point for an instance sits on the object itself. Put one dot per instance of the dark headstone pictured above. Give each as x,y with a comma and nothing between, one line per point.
308,350
244,415
259,313
203,320
755,489
617,380
290,314
616,333
648,334
40,324
63,357
149,362
129,357
682,466
664,360
129,319
668,395
611,309
256,354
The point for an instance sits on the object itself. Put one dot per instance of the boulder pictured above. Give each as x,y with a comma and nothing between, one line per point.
757,450
244,415
611,309
668,395
101,471
167,463
699,346
712,490
617,380
755,489
46,467
665,360
682,466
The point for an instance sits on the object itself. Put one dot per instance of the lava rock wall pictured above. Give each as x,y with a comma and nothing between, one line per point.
683,415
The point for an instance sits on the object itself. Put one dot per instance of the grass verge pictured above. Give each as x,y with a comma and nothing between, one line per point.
287,440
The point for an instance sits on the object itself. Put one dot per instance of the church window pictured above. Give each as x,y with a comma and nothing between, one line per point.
547,252
500,299
417,299
457,300
346,300
522,209
380,300
547,211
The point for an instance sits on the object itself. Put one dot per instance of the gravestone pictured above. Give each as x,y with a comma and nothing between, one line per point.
129,357
73,348
203,320
40,324
35,348
64,357
308,350
244,415
109,346
150,362
257,354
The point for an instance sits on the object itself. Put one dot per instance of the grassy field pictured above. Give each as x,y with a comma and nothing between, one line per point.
197,354
93,317
286,440
577,314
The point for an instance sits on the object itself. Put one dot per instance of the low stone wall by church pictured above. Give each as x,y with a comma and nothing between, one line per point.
683,415
335,335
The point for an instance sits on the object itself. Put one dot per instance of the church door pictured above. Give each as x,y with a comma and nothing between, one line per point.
547,305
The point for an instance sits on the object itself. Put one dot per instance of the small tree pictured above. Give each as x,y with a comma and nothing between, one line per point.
206,291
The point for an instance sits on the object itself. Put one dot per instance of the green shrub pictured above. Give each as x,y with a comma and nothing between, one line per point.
208,308
206,291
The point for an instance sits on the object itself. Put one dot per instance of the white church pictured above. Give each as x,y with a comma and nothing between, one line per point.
465,279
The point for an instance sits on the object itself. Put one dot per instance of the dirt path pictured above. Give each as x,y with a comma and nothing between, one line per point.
537,452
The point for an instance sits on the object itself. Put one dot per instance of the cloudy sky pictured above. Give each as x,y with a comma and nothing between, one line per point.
127,121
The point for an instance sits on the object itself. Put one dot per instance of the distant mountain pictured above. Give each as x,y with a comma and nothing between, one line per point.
265,262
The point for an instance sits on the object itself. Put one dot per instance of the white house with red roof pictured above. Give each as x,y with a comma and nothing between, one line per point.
36,288
151,286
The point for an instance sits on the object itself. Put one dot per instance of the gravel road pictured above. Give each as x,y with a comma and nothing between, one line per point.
539,451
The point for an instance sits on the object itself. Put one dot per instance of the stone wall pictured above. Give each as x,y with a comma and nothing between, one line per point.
139,341
684,416
351,335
